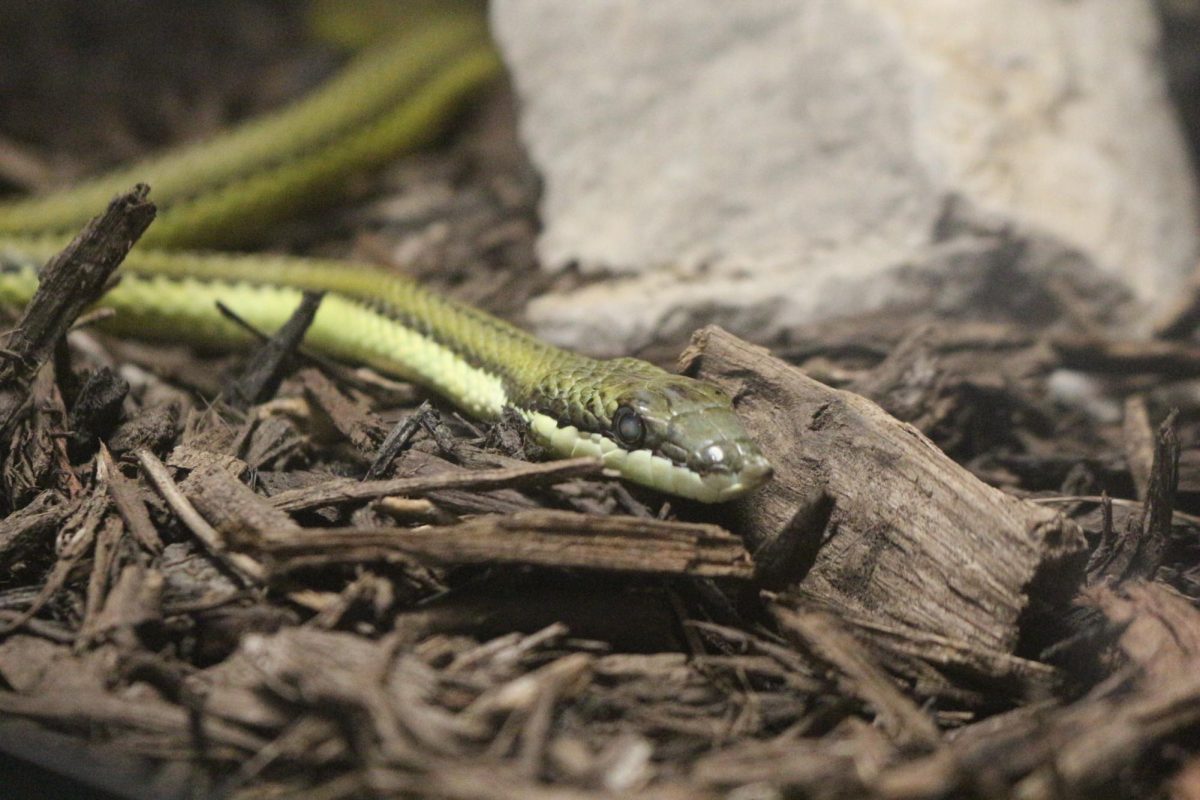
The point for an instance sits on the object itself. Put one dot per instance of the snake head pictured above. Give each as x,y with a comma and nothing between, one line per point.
666,431
691,425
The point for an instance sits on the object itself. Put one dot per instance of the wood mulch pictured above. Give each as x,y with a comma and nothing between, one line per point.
976,574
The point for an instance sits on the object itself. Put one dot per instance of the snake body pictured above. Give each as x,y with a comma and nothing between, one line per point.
656,428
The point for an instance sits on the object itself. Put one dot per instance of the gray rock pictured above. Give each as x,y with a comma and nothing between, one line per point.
765,163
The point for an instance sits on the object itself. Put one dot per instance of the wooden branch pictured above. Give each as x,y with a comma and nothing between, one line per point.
548,538
912,537
70,282
350,491
397,439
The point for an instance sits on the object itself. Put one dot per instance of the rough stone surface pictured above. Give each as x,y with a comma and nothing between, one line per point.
764,163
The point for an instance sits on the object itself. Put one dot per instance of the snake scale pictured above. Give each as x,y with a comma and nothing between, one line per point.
655,428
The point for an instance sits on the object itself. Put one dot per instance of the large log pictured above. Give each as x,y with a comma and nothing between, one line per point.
865,514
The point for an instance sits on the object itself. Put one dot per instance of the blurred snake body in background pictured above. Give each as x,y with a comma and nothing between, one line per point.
661,430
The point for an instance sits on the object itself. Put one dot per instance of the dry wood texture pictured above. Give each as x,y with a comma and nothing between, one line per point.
911,536
549,538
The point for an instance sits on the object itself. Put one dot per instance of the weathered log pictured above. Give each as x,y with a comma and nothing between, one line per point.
909,536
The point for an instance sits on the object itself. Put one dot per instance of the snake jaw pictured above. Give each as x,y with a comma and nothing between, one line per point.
645,467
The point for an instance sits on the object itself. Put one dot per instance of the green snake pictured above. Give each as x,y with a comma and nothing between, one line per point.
655,428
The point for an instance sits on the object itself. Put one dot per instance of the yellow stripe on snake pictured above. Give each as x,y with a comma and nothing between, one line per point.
661,430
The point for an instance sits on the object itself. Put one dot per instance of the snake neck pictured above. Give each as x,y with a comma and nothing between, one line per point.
584,392
536,376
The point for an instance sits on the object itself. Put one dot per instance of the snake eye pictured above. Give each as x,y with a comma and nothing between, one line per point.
628,427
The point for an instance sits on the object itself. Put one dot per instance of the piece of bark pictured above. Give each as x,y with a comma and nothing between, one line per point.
959,384
547,538
86,769
153,429
1090,746
34,457
913,537
103,558
269,440
1084,750
95,412
50,631
71,281
335,411
1160,628
190,458
260,378
915,653
418,463
364,680
857,675
795,766
135,601
82,526
1139,550
350,491
241,517
397,440
32,665
191,581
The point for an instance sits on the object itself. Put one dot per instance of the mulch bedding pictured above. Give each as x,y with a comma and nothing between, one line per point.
266,574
